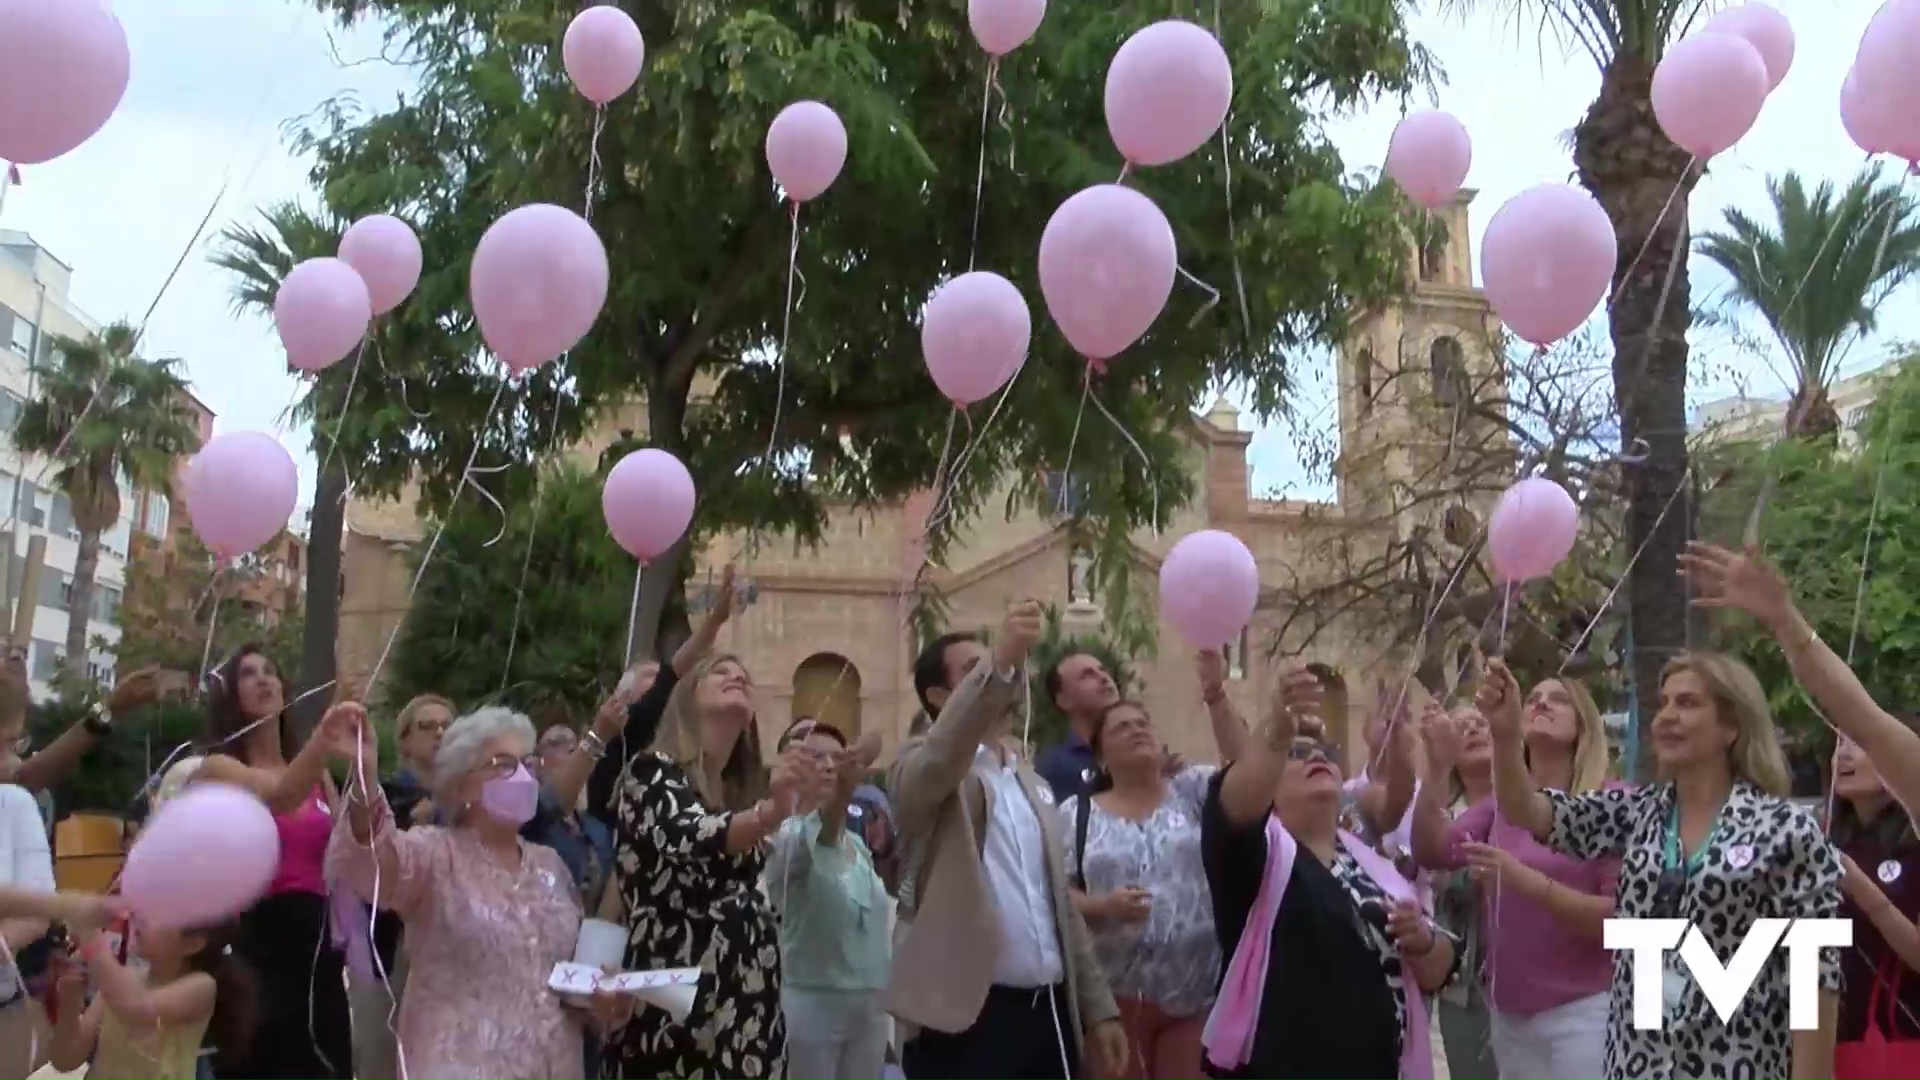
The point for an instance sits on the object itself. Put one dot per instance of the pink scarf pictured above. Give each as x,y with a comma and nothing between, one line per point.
1230,1027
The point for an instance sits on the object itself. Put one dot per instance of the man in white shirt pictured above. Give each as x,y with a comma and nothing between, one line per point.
994,974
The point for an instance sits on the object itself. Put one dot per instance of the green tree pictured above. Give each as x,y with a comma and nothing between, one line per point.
105,417
1116,653
573,616
1815,528
111,777
1817,273
698,241
260,258
1643,181
170,597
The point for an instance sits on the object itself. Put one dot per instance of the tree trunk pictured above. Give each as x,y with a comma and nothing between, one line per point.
86,566
1643,181
321,629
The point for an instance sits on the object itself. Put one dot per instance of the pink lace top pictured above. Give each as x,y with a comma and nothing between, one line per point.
303,847
482,938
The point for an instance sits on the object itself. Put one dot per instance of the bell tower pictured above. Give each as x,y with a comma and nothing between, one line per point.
1418,375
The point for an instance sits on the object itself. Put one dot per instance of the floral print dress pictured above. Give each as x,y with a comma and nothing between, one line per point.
691,904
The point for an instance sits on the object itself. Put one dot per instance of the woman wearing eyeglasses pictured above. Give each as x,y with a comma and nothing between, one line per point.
488,915
1716,843
1330,957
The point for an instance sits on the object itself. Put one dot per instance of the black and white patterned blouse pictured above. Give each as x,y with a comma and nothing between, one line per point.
1174,960
1766,858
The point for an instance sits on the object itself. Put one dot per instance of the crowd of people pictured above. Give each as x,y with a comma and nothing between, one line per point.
1101,909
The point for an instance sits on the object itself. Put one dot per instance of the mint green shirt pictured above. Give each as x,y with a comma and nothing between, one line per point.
833,910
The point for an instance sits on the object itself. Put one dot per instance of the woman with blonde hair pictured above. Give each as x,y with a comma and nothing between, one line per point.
1546,969
690,820
1716,843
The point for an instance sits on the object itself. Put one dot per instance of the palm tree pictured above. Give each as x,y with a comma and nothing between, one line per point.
1642,181
260,257
104,415
1816,274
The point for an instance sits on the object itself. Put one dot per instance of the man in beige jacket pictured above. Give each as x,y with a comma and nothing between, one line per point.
994,975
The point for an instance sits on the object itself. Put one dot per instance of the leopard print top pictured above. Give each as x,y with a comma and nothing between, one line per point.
1767,859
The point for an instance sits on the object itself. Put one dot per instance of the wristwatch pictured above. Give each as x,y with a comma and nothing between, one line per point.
98,721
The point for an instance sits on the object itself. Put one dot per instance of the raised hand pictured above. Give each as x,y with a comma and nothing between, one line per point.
1442,736
1745,582
1297,693
1019,633
723,603
1498,699
1211,667
144,687
796,780
349,737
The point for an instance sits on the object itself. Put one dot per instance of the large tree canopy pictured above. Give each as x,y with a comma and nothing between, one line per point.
698,238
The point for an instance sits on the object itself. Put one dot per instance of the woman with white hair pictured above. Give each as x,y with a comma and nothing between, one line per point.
488,915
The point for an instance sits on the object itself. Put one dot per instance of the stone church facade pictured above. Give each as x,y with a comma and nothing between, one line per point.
823,635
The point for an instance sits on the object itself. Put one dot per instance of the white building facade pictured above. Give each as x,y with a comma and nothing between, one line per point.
35,310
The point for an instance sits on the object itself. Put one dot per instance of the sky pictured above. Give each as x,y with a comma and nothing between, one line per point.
215,81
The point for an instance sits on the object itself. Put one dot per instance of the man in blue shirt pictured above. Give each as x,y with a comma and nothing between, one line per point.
1079,685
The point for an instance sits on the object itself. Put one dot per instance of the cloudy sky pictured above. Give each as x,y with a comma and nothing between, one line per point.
214,81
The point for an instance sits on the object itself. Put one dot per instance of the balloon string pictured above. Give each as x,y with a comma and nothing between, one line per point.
346,403
1686,483
1866,551
786,327
980,171
1647,244
466,478
1233,234
1434,604
1146,463
633,614
1213,296
941,481
593,160
973,443
1506,609
1066,474
213,614
1004,118
1125,166
526,560
380,357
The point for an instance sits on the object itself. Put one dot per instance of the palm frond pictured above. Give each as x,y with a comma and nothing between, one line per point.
1603,29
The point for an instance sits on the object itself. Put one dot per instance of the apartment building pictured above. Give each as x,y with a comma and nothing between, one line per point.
35,309
1741,417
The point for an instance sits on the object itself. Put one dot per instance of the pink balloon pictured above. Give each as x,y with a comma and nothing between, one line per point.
63,71
603,52
648,502
1764,28
1428,157
975,335
1532,530
386,254
240,490
806,147
321,312
1546,261
538,282
1106,268
1168,90
1708,91
1001,26
1208,588
1887,71
207,855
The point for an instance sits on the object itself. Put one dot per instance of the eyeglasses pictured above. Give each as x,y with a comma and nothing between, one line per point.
1304,749
431,727
504,764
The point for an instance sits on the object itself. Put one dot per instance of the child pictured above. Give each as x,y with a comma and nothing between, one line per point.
152,1025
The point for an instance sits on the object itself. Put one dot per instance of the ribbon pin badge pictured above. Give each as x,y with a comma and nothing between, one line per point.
1888,872
1739,855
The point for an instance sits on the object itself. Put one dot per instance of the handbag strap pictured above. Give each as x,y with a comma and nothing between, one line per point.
1891,970
1082,814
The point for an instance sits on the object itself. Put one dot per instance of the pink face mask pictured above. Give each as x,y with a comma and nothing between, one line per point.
511,800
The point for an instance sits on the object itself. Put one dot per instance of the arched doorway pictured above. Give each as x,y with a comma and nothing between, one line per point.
826,687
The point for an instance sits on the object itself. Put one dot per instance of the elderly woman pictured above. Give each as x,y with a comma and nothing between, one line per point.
1330,956
488,915
692,816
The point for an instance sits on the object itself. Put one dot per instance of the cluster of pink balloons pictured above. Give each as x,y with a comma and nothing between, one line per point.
1546,260
1709,88
648,502
974,335
1532,530
1428,157
324,306
603,53
207,855
63,70
1877,102
240,491
1209,585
